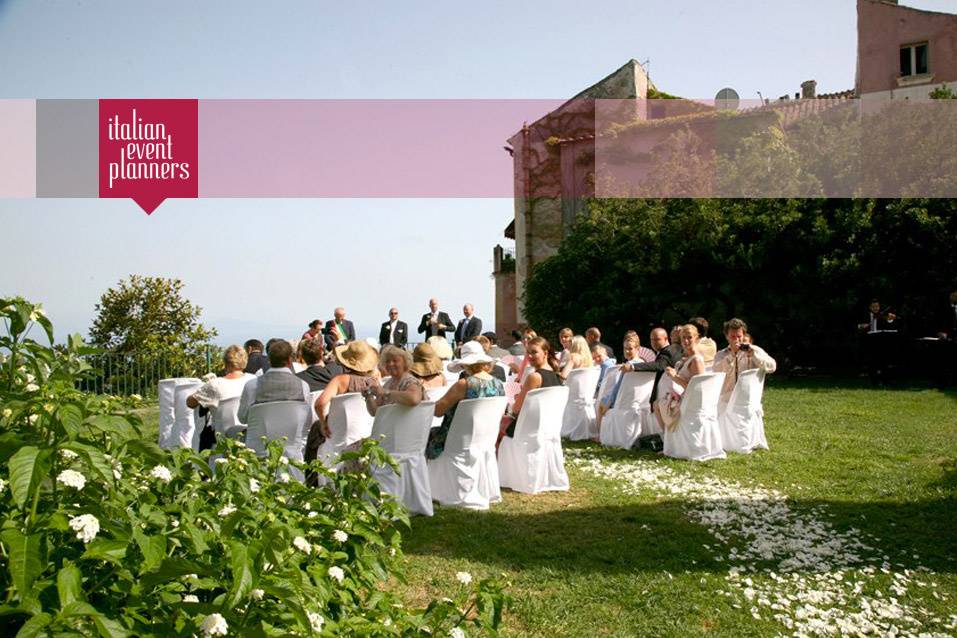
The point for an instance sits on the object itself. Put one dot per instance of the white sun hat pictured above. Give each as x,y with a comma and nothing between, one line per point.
470,354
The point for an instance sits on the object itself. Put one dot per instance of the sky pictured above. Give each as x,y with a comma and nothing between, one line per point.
266,267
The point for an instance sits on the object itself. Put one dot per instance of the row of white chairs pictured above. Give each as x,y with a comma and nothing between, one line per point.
704,431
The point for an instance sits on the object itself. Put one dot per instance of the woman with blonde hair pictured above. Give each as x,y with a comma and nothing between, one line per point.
579,356
668,407
402,388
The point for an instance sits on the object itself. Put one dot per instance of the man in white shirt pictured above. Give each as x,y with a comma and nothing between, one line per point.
740,355
393,331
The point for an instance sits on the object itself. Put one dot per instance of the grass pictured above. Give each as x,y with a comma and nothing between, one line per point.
595,561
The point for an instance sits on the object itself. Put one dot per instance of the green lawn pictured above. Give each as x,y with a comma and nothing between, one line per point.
874,465
612,558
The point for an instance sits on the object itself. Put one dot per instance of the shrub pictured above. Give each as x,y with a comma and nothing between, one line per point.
106,534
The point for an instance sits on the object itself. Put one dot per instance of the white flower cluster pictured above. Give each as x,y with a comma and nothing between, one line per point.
253,485
162,473
316,621
3,485
340,536
86,527
812,578
257,594
463,577
71,478
68,455
214,625
226,511
302,544
457,632
336,573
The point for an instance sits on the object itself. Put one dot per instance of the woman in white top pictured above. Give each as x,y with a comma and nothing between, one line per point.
228,386
668,407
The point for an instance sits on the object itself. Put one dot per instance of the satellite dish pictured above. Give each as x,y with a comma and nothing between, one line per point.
727,100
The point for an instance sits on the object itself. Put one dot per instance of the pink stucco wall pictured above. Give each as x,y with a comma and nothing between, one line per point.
882,27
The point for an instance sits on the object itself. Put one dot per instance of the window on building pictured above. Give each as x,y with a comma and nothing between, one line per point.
914,60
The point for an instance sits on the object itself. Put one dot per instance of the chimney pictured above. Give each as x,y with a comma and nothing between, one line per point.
809,90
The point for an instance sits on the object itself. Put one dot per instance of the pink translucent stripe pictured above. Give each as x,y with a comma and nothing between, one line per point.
18,148
360,148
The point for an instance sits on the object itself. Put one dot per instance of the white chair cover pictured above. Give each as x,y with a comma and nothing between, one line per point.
275,421
185,433
578,421
607,383
225,415
349,421
313,396
698,435
433,395
403,432
167,410
466,473
532,460
742,419
631,415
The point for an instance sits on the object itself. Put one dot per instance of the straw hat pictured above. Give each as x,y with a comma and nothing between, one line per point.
358,356
470,354
425,362
441,347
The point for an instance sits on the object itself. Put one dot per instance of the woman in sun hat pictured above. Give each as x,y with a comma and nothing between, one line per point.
359,360
427,366
441,347
479,383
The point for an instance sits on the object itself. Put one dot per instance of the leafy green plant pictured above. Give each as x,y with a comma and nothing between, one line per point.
103,533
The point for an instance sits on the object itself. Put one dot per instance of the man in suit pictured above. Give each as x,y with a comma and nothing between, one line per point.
256,359
339,330
593,336
666,356
436,322
469,327
394,331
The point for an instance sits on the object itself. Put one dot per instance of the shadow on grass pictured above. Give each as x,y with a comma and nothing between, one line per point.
658,536
830,383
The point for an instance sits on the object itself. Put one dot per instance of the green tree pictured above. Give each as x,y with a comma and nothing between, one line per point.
147,320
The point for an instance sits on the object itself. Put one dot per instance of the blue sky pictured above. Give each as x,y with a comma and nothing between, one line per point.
266,267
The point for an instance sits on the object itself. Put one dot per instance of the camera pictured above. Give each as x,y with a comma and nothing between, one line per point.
745,347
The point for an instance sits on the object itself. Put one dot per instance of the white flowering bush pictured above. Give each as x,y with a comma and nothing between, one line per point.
103,533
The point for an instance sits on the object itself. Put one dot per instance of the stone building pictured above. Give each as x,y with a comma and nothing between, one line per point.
902,53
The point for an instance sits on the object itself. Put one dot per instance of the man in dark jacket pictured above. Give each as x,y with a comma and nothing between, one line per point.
436,322
393,331
339,330
469,327
666,356
256,359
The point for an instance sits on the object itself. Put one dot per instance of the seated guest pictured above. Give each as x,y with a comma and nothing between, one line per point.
278,383
740,355
383,351
579,356
359,362
601,359
517,349
497,371
494,351
667,355
633,356
565,339
317,374
593,336
402,388
315,330
298,365
706,346
479,383
519,367
256,360
668,407
644,354
427,367
542,363
228,386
